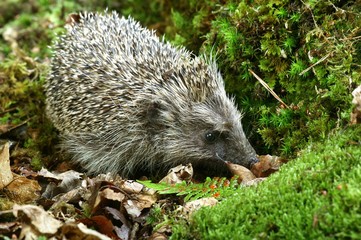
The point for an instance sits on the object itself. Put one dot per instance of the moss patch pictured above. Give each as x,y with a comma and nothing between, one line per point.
314,196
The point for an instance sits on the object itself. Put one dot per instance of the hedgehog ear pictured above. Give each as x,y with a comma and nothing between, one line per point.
154,114
153,110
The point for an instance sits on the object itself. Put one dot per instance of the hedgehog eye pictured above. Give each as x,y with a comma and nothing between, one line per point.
212,136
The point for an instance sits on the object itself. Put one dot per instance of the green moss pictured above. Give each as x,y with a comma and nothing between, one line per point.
316,196
279,41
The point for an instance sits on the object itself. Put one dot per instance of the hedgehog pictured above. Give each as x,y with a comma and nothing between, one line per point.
130,103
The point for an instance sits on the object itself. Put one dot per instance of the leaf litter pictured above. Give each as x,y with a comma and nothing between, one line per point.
71,205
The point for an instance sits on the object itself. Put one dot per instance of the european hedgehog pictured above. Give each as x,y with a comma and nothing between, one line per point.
126,102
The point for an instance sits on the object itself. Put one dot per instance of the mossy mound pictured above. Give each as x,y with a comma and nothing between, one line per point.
316,196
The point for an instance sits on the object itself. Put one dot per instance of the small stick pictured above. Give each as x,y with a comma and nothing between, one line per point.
264,84
318,62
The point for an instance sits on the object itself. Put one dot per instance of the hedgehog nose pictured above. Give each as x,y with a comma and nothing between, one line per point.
252,161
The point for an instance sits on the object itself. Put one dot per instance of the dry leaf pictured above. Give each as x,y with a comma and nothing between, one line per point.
117,215
23,190
63,182
6,175
132,208
8,227
195,205
253,182
158,236
5,128
73,196
122,232
110,194
178,174
244,174
267,165
137,203
132,186
102,224
356,113
104,196
37,219
80,231
65,176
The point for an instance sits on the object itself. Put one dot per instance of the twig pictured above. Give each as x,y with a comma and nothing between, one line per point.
318,62
264,84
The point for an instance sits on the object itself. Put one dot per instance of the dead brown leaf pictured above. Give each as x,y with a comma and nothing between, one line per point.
6,175
244,174
115,207
131,186
23,190
9,227
73,196
195,205
17,188
73,231
179,174
105,196
267,165
102,224
5,128
35,220
356,112
158,236
136,203
124,203
62,182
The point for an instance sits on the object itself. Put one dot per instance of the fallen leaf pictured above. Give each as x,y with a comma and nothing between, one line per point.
63,182
73,196
244,174
123,232
37,219
132,208
253,182
8,227
5,128
179,174
356,112
138,202
80,231
132,186
6,175
117,215
110,194
23,190
158,235
195,205
102,224
267,165
104,196
65,177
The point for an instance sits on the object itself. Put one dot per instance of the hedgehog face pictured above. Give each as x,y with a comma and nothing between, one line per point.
202,125
222,138
225,146
206,134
